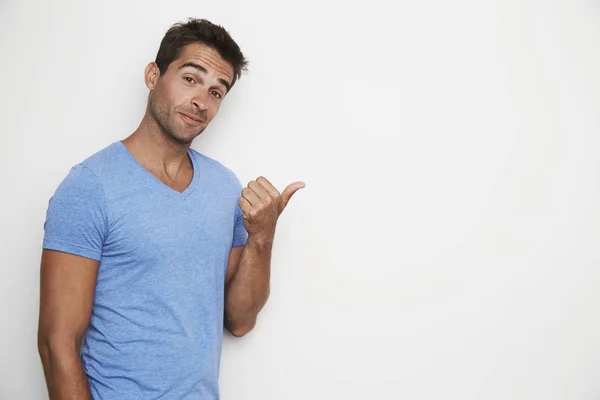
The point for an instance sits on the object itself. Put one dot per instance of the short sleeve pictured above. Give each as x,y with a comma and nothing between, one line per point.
76,219
240,235
239,231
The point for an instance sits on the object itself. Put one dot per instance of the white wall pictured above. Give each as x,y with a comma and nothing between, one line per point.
446,245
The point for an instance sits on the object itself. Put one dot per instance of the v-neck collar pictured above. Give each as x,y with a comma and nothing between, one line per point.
153,180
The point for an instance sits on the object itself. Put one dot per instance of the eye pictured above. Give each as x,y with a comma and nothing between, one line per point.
189,79
216,94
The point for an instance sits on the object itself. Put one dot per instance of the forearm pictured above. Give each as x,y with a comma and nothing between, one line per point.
248,290
65,377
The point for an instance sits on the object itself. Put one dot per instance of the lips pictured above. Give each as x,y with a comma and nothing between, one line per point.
191,119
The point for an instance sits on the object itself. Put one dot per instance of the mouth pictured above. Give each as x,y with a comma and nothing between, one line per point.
190,119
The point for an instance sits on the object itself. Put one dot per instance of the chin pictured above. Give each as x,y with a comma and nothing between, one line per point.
180,139
185,139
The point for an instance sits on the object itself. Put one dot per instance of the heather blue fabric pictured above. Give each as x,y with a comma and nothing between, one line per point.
157,322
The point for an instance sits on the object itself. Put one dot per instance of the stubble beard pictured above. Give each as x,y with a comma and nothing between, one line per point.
158,112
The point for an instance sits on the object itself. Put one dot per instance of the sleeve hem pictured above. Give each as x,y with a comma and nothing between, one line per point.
57,245
239,242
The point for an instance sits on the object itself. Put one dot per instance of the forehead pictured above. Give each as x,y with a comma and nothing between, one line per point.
207,57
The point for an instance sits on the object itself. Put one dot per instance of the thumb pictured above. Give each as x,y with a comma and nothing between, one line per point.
289,191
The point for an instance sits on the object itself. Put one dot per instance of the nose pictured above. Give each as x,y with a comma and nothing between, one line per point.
200,100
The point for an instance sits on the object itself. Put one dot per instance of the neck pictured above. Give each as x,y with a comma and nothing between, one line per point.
153,148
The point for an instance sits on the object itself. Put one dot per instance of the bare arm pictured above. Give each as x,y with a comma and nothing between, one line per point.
249,267
66,299
247,286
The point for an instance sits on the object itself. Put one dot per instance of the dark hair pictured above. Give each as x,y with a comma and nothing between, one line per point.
203,31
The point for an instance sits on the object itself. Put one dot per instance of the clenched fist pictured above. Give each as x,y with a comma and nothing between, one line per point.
262,204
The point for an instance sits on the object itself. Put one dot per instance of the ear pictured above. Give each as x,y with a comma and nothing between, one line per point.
151,75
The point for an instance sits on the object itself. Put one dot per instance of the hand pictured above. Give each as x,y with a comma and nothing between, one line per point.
262,205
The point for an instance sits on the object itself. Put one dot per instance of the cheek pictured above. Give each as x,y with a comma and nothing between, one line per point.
165,100
159,103
174,96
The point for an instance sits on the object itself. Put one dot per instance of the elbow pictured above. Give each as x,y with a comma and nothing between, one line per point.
242,330
241,320
239,327
43,350
43,343
50,342
44,346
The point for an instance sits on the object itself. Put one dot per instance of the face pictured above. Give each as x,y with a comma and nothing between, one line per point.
188,95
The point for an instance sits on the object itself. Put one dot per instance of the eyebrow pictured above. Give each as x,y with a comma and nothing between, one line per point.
203,70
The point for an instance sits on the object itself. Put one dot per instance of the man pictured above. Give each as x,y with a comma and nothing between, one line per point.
150,247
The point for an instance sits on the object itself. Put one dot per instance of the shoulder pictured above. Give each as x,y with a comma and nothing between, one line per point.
91,177
104,163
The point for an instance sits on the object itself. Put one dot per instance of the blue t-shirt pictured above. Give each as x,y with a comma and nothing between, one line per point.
157,323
